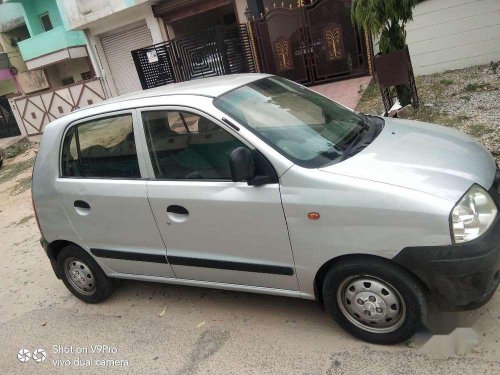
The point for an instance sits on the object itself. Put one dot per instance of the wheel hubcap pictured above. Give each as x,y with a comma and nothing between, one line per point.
80,276
371,304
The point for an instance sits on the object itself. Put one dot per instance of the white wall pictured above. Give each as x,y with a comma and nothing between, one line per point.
118,22
73,68
80,13
453,34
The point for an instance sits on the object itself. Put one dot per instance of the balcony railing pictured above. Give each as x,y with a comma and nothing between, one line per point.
50,41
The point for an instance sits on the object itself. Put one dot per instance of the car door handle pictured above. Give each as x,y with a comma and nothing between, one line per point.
178,210
177,214
82,208
82,204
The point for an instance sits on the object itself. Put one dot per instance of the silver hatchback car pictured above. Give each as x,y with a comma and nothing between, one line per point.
257,184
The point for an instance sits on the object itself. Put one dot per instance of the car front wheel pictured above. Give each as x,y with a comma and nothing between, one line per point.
82,275
374,300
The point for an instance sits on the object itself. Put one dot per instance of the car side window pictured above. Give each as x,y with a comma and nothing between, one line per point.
101,148
187,146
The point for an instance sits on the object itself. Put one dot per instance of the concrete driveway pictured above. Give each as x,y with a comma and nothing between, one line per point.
164,329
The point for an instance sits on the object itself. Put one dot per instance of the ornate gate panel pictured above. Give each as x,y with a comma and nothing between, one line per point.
311,44
156,64
337,50
213,52
281,44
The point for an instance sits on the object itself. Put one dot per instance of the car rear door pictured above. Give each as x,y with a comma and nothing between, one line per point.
103,188
214,229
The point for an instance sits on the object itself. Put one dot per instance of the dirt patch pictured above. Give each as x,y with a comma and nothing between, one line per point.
12,170
22,184
25,219
17,149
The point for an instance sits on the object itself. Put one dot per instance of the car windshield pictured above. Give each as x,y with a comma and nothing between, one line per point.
306,127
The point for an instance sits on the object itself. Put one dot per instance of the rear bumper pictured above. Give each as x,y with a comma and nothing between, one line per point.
50,255
461,276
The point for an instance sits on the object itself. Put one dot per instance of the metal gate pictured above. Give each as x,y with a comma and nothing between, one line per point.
312,44
8,124
213,52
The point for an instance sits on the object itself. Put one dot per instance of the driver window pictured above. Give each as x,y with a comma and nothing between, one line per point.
186,146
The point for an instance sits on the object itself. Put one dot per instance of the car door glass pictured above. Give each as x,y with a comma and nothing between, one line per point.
187,146
101,148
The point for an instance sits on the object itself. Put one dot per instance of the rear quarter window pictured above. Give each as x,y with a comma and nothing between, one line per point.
101,148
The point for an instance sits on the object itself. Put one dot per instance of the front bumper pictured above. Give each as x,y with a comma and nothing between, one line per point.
461,276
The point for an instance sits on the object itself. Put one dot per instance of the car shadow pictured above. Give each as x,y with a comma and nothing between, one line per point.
238,306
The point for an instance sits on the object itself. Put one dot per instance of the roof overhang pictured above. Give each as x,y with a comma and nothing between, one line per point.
176,10
56,57
11,24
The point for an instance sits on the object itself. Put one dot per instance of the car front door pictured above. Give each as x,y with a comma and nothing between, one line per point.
214,229
103,189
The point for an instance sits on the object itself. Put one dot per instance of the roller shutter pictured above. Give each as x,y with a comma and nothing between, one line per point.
117,48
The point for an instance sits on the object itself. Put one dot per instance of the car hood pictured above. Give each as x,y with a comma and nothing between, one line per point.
425,157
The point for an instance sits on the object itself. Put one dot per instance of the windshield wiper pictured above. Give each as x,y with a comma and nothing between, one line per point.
358,137
365,121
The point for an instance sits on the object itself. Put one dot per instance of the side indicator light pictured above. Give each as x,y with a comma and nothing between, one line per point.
313,215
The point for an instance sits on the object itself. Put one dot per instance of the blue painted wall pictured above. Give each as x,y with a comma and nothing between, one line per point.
34,8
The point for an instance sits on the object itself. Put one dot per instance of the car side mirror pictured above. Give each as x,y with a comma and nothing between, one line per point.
241,165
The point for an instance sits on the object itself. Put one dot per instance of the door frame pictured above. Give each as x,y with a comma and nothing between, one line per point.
217,264
144,260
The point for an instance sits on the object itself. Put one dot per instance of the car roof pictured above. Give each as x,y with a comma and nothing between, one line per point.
205,87
211,87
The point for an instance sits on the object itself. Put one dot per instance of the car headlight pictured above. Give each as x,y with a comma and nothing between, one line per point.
473,215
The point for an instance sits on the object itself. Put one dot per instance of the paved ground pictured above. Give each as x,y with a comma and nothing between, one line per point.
346,92
201,331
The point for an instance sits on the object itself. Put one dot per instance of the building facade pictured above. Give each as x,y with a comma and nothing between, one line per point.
60,53
12,30
47,68
114,28
212,37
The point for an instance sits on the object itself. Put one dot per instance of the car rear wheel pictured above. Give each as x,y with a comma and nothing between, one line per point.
374,300
83,276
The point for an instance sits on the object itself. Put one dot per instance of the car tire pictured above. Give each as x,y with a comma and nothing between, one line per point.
374,300
83,276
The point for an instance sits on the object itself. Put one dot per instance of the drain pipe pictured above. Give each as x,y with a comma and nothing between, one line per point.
96,62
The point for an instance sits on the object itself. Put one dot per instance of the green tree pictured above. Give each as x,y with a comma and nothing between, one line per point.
386,19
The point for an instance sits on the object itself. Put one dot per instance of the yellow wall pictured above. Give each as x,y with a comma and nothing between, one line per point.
15,57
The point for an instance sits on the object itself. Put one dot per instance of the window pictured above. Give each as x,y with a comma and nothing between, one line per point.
67,81
187,146
86,75
46,23
102,148
307,128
